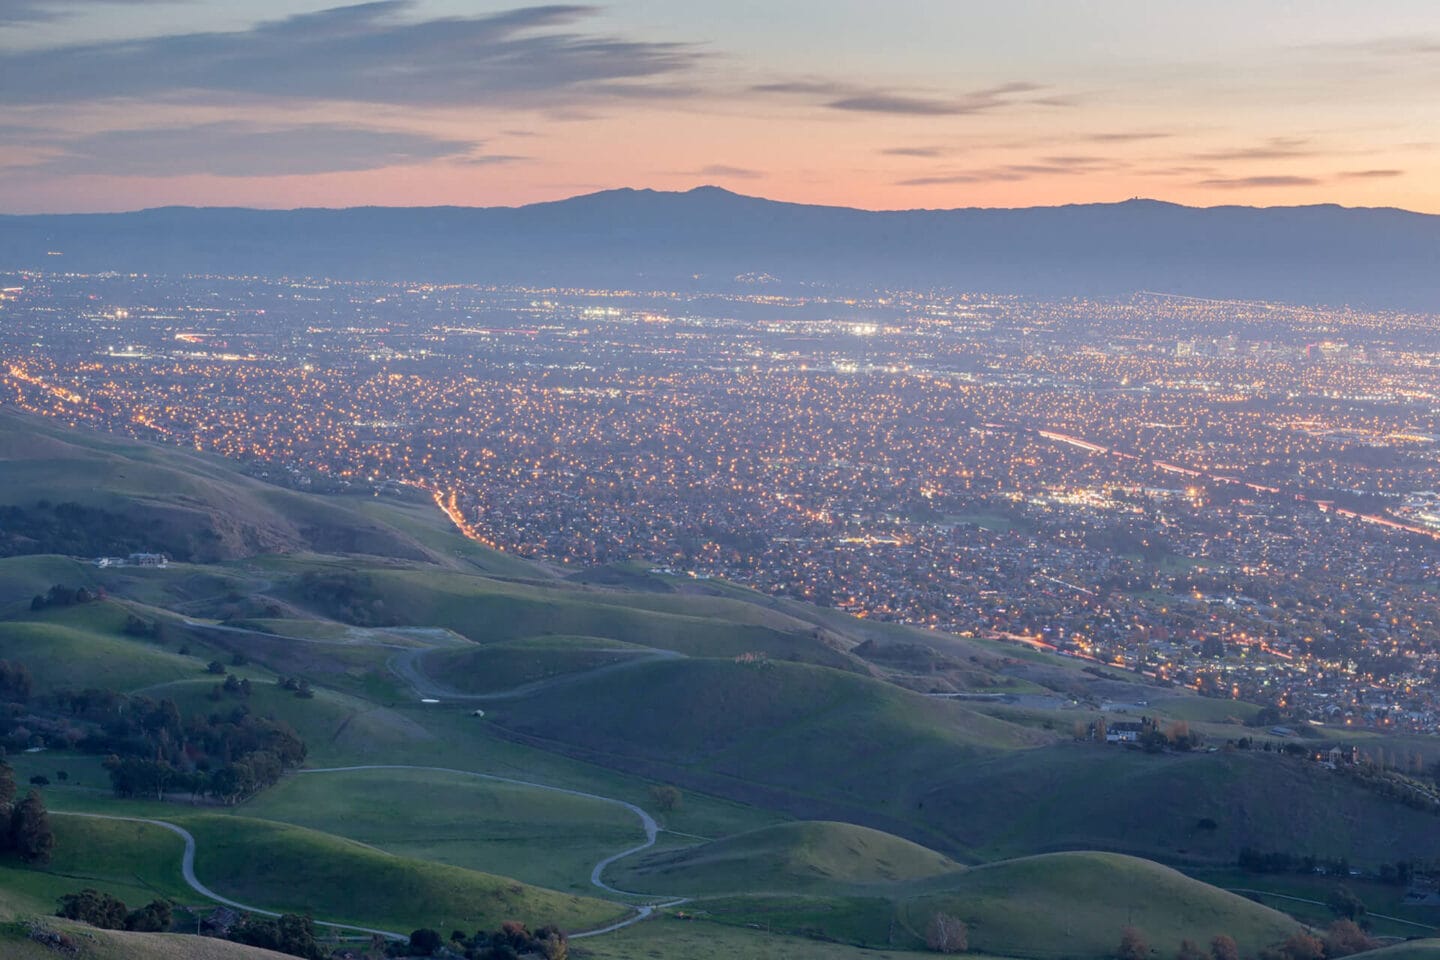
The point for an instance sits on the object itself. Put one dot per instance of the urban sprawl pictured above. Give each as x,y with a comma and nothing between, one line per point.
1242,498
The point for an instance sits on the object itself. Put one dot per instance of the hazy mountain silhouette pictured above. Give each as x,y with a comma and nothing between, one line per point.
707,236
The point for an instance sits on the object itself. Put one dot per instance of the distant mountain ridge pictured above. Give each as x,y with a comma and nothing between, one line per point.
706,237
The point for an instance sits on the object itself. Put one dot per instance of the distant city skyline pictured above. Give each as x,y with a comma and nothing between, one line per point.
123,104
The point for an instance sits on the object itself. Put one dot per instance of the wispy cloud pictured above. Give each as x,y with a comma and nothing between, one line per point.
39,11
914,152
1370,174
1051,166
1242,183
247,150
492,159
858,99
1276,148
1123,136
370,52
725,170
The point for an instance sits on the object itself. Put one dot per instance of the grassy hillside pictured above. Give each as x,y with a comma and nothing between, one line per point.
786,858
538,836
60,656
135,862
489,611
1077,903
93,944
809,731
510,664
682,938
296,870
1070,905
334,726
188,505
1412,950
1077,796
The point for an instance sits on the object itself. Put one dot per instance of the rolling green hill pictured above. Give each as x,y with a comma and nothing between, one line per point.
186,504
788,858
92,944
1069,905
1412,950
804,737
1075,904
296,870
63,651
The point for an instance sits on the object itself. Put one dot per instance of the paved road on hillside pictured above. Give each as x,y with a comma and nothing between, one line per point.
187,870
647,822
407,667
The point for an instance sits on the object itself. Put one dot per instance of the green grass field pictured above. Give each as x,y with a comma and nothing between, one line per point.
1075,904
671,938
800,857
93,944
1071,905
538,836
61,656
1414,950
296,870
716,722
504,666
135,862
336,727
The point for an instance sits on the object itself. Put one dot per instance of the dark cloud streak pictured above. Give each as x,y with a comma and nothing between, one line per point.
246,150
529,56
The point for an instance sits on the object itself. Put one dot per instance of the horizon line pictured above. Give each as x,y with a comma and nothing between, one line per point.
714,188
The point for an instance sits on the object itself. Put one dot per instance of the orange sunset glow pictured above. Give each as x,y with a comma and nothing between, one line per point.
122,105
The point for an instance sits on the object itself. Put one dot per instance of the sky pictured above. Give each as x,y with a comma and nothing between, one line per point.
125,104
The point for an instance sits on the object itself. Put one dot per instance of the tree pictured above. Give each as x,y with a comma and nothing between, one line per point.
95,908
1189,951
1224,947
7,787
30,831
1132,945
665,798
1345,937
155,917
424,942
1302,946
947,934
1343,903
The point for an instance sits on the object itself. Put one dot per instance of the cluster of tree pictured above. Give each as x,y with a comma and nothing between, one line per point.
144,629
512,940
348,596
1392,784
73,529
60,595
24,826
16,684
296,685
233,686
110,913
149,748
1343,938
226,756
292,933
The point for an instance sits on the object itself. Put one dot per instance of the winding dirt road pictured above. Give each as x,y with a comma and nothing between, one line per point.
647,822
